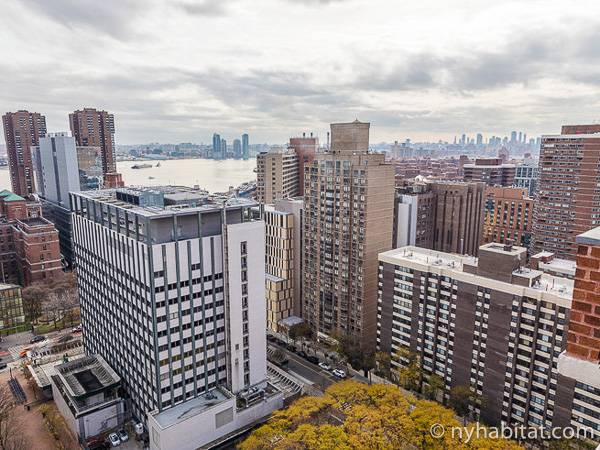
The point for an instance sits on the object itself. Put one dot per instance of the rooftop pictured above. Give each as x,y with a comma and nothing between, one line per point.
164,200
591,237
191,407
431,259
87,375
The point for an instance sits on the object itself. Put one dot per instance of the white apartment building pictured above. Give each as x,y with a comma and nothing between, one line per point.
172,296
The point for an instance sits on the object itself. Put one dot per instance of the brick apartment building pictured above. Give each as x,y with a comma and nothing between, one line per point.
492,171
94,128
29,247
22,131
568,203
508,216
499,328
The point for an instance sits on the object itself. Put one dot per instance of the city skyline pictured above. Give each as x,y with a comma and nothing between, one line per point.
450,71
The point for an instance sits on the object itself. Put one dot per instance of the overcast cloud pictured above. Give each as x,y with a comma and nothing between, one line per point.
179,70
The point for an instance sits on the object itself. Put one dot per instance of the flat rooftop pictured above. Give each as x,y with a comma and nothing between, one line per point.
191,408
558,286
202,200
87,375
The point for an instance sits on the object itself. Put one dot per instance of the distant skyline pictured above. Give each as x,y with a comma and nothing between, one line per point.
181,70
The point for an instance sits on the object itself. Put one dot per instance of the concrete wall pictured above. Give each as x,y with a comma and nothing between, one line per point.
201,429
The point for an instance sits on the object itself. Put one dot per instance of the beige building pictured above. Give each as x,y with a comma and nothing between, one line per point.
348,221
277,175
279,265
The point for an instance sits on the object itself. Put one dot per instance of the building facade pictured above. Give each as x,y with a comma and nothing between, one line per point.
93,128
491,171
487,323
11,307
568,204
348,218
508,216
245,147
458,216
279,266
277,175
578,364
306,148
29,246
413,216
526,176
172,295
22,131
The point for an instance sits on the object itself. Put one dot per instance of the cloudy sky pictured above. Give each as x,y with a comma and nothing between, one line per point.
179,70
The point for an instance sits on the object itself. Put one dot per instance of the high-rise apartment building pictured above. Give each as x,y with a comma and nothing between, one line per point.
568,203
173,297
93,128
22,131
457,216
245,147
508,216
526,176
277,175
348,218
413,216
487,323
57,168
216,146
224,150
306,150
237,148
279,266
62,167
491,171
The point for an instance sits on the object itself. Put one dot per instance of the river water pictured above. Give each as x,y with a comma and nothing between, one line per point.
212,175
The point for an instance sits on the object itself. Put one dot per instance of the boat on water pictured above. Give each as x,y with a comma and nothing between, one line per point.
158,165
255,170
141,166
151,178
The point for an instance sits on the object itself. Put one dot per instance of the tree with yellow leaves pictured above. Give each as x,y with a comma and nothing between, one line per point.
356,416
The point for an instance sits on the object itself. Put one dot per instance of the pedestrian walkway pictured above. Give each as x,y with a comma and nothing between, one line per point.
15,352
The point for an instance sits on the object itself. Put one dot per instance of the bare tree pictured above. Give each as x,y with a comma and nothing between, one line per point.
11,435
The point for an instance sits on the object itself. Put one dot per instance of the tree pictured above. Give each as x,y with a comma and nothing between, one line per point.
11,436
33,298
463,400
300,330
383,364
410,375
356,416
435,384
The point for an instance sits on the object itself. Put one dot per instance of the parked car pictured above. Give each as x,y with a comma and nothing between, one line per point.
339,373
99,446
77,329
114,440
302,354
2,366
36,339
312,359
324,366
123,435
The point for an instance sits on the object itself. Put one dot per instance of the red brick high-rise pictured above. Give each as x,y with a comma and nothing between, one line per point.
29,248
91,127
306,149
568,202
22,130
